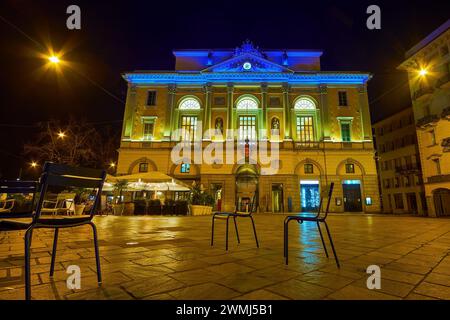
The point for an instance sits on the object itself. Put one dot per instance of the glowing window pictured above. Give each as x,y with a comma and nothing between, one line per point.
189,104
247,103
305,104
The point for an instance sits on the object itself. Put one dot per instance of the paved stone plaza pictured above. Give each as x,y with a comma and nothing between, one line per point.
170,258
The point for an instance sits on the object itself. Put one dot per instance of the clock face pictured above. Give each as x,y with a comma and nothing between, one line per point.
247,66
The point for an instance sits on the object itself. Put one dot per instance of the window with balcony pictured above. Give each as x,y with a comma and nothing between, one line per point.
188,128
437,165
247,128
305,128
345,132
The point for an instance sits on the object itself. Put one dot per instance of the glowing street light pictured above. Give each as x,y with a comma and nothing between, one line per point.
61,135
112,165
423,72
33,164
54,59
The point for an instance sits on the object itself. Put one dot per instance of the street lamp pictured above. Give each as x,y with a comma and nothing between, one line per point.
33,164
61,135
112,165
423,72
54,59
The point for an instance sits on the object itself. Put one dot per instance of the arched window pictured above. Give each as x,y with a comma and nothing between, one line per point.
219,125
304,104
189,104
247,103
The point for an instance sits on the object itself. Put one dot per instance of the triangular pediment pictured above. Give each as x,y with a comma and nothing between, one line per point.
247,62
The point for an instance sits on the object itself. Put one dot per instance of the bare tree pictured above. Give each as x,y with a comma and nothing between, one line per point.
75,143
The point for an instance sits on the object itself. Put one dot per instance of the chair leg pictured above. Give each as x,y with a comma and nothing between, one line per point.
28,236
55,243
286,240
212,232
332,245
254,232
321,237
237,232
97,253
226,237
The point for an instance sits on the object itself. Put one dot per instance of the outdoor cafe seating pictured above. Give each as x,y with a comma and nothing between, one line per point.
53,176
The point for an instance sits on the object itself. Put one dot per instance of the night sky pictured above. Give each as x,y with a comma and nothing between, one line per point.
132,35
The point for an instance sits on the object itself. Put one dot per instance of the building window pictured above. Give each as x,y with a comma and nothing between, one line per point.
247,104
349,168
305,128
274,101
437,164
219,101
398,198
143,167
188,128
308,168
247,128
343,98
189,104
151,98
148,130
218,125
345,132
368,201
304,104
185,168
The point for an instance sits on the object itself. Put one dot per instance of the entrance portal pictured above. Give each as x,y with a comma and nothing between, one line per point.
277,198
441,199
352,195
309,196
246,186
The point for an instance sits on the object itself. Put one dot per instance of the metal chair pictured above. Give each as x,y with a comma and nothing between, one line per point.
319,217
17,187
57,175
237,214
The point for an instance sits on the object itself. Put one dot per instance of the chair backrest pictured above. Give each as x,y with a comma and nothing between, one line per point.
327,193
19,187
59,175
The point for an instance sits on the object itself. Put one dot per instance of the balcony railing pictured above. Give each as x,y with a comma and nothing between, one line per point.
439,178
422,92
426,121
407,168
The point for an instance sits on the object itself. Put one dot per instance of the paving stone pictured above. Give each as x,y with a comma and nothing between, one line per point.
205,291
433,290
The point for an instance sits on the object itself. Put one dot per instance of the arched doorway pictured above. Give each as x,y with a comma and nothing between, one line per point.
247,178
441,198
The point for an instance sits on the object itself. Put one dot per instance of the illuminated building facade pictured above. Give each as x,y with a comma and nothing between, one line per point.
428,66
318,122
399,166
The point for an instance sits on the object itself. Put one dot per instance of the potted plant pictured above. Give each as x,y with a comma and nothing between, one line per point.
201,202
119,206
80,201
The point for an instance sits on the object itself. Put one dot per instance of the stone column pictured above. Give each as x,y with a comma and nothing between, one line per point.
230,90
207,112
170,111
366,127
286,112
325,113
264,108
130,110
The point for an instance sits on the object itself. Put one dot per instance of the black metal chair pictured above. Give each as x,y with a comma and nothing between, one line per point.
58,176
319,217
237,214
18,187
